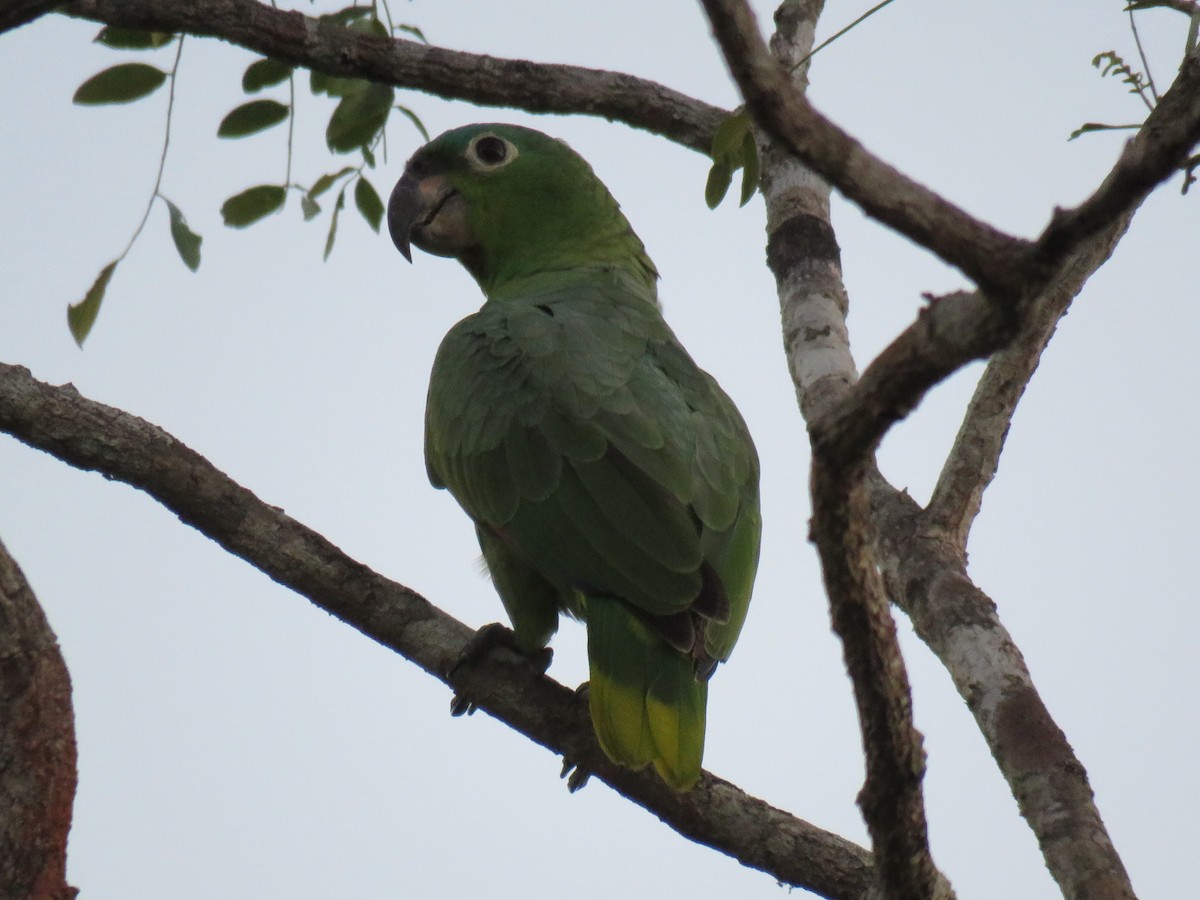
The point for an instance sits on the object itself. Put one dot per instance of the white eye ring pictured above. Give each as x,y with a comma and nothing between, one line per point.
490,151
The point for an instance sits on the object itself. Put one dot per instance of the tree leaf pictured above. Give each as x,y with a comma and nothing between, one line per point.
366,198
347,15
337,208
187,242
309,207
1088,127
322,184
251,118
720,176
415,119
263,73
81,316
333,85
359,116
370,26
728,137
133,38
414,31
750,173
252,204
120,84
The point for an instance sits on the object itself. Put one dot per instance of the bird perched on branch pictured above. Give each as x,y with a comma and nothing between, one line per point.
608,476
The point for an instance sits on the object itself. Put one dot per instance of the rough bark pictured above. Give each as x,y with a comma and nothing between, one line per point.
37,746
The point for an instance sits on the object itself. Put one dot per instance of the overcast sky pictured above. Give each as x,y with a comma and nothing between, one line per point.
237,742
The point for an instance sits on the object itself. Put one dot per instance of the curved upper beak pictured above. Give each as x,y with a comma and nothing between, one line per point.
415,202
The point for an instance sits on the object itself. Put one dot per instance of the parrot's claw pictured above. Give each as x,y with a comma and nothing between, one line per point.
576,777
479,646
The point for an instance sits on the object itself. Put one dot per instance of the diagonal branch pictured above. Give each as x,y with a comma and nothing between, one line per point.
972,462
95,437
925,572
476,78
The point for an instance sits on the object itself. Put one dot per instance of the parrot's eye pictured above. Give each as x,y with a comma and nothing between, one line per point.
490,152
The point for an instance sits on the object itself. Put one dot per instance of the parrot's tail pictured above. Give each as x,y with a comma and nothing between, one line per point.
646,704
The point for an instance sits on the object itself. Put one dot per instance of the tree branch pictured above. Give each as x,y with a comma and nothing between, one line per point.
37,746
925,572
987,255
1160,148
803,255
975,456
848,416
479,79
95,437
15,13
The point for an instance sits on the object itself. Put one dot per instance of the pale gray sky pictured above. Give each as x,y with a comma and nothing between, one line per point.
237,742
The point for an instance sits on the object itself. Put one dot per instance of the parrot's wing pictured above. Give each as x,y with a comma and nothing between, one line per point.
576,429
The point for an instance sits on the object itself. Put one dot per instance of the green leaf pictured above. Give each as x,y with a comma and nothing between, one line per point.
133,38
728,136
720,176
187,242
322,184
251,118
263,73
368,155
81,316
333,85
750,173
337,208
309,207
415,119
370,26
414,31
252,204
366,198
347,15
120,84
1097,126
358,117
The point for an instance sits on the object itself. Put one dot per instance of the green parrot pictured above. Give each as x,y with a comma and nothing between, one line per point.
608,476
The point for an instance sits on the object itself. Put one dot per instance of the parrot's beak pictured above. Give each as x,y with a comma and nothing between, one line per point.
421,211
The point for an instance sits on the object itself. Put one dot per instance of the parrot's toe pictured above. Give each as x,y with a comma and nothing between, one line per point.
576,776
481,644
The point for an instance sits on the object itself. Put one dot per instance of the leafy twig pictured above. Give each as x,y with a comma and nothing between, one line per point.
122,84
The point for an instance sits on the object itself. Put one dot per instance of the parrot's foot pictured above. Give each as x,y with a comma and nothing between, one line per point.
485,640
576,777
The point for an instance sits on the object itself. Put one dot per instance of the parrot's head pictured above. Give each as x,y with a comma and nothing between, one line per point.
508,202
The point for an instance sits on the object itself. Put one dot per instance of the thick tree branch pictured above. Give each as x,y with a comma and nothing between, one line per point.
922,555
891,798
95,437
15,13
37,746
985,254
482,80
